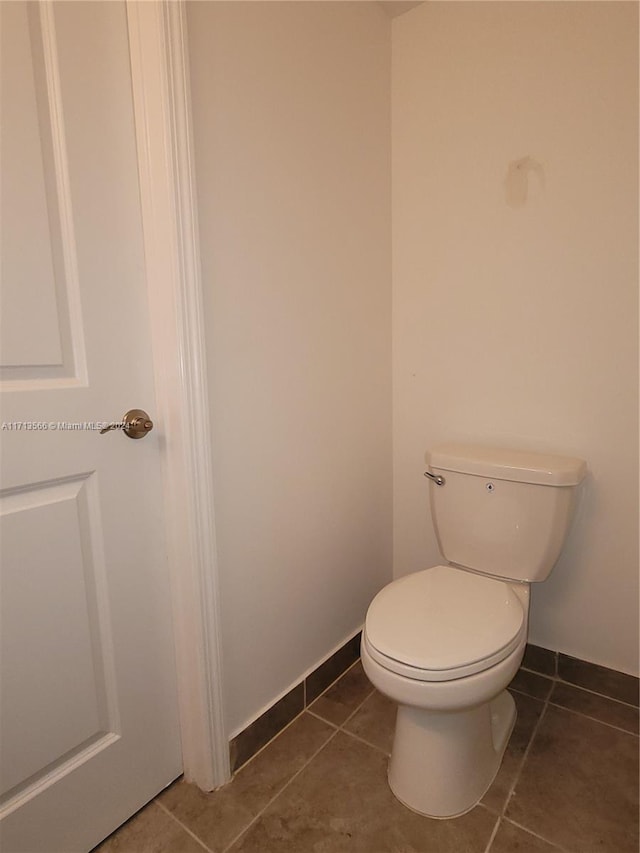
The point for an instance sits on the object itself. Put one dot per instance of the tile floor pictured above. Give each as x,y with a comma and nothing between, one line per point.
569,782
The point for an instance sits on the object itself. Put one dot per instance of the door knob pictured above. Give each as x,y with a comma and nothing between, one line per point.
135,424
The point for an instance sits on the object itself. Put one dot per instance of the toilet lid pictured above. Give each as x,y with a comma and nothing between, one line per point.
444,619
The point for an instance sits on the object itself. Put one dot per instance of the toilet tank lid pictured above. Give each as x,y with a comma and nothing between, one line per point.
498,463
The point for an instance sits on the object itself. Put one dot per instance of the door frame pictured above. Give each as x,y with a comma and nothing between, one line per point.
160,81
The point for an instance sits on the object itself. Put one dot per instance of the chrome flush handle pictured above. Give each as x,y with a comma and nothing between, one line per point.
437,479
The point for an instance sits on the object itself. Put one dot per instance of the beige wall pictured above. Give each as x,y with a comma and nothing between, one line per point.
515,280
291,106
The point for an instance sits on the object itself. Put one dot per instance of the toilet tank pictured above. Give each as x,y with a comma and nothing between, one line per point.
502,512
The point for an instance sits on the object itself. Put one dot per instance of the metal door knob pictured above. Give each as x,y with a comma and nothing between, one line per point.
135,424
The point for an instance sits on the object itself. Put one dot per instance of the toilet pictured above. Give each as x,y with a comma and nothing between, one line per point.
444,642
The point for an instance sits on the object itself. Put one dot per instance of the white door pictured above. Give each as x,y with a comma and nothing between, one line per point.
89,726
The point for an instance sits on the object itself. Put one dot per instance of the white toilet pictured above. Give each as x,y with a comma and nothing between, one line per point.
445,642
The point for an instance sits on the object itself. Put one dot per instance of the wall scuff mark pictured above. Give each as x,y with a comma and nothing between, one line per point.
516,183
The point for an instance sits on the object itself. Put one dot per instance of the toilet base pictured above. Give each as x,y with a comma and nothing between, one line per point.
443,763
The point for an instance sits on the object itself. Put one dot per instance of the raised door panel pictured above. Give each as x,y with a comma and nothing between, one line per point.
58,695
40,328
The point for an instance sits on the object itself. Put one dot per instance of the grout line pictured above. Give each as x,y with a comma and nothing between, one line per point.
549,700
335,728
275,796
355,736
271,740
594,719
329,686
518,773
356,710
341,727
541,674
559,680
537,835
305,707
181,824
513,689
493,834
595,693
366,742
353,713
322,719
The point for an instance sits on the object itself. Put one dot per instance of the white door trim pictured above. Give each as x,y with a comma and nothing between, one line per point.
160,79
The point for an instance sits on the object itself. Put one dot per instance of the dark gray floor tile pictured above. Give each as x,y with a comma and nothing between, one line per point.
540,660
375,722
341,699
267,726
529,711
579,785
331,669
217,818
342,802
512,839
532,684
606,710
150,831
609,682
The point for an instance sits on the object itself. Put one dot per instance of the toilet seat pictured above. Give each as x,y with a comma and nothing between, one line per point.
444,623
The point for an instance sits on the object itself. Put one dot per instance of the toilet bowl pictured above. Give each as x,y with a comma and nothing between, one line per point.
454,716
444,642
